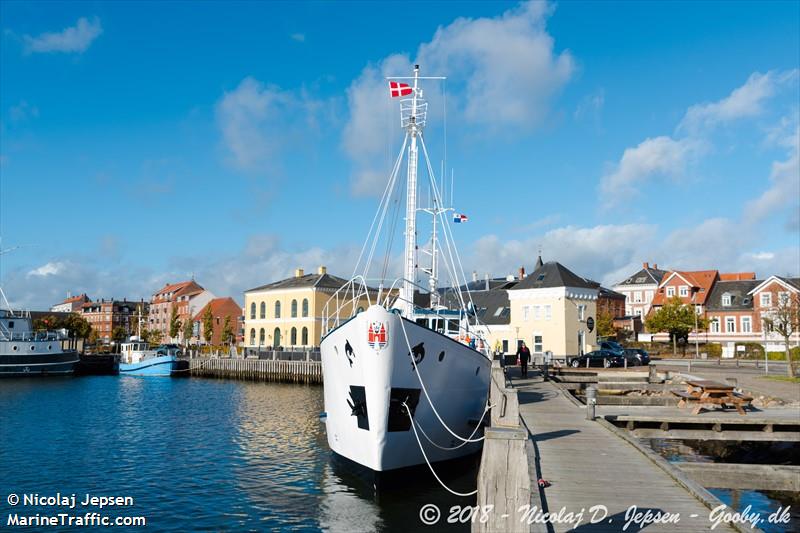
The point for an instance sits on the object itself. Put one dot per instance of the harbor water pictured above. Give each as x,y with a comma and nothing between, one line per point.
196,454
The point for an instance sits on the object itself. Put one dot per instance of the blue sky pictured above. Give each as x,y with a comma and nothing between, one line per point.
141,143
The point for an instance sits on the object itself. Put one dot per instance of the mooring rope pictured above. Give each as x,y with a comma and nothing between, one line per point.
477,427
430,402
448,489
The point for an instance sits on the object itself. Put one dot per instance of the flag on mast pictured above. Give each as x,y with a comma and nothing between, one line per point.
399,89
459,218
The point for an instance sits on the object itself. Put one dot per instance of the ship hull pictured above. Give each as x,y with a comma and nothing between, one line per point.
152,366
368,373
38,364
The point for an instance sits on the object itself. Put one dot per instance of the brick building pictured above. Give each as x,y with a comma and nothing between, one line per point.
105,315
220,308
188,297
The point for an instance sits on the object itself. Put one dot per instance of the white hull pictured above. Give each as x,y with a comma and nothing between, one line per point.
457,384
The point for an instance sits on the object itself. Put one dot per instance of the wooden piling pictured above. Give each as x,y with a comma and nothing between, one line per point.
306,371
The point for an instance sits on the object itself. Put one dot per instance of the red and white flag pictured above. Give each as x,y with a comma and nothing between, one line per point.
399,89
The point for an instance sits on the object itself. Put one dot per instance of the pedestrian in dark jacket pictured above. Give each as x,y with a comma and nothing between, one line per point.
524,355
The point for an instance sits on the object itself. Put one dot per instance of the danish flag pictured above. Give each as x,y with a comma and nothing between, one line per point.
399,89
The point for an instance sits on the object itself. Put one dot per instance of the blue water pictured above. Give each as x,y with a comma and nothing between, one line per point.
195,454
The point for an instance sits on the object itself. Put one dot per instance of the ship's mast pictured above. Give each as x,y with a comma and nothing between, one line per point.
410,268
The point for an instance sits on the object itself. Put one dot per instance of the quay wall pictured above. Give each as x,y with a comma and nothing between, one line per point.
285,371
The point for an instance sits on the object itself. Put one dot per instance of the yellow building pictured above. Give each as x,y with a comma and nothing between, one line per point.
554,309
288,312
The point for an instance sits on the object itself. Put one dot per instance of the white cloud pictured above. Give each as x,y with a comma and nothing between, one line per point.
256,120
784,189
744,102
76,38
48,269
22,111
659,156
299,37
591,105
502,74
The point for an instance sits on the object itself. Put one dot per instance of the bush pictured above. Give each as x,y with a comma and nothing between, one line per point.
752,350
713,350
781,356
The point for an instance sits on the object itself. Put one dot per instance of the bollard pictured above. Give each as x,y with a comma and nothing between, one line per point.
652,374
690,365
591,401
546,375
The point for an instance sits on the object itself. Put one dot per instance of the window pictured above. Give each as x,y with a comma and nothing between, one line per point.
547,312
263,314
262,337
684,291
305,307
637,297
648,296
294,309
581,312
747,325
361,309
305,337
783,298
537,344
730,324
277,309
526,311
766,299
253,334
713,326
537,310
505,345
726,300
10,324
670,292
638,312
294,333
276,337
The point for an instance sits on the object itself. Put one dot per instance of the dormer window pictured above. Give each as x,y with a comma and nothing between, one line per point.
726,300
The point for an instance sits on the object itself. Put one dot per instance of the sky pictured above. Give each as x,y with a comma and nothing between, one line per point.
146,143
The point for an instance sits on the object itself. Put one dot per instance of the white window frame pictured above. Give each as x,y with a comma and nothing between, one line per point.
637,297
765,299
726,300
783,297
537,312
713,326
538,347
728,321
548,311
670,292
526,311
581,313
746,320
683,291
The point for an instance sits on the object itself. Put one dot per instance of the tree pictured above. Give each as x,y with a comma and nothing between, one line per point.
227,330
151,336
188,330
208,324
784,319
174,323
93,337
119,334
676,319
605,324
45,323
79,327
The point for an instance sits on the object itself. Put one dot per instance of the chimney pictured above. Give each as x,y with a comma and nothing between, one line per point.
298,272
486,280
474,275
645,265
322,270
69,294
521,272
655,266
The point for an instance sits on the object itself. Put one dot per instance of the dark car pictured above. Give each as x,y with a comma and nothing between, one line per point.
612,346
603,358
637,356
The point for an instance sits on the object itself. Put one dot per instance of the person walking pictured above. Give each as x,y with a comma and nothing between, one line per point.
524,355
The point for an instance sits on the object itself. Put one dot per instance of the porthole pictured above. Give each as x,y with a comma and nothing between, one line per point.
33,348
49,346
15,347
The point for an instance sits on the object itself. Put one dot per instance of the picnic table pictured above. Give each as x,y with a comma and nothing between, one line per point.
703,392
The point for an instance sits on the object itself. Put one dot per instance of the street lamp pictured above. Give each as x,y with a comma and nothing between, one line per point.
694,304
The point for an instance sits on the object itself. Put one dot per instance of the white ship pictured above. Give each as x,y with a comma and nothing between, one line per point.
405,384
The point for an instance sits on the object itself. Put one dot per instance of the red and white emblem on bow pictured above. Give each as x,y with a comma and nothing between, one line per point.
376,335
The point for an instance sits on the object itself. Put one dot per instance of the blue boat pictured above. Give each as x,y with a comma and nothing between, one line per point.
137,360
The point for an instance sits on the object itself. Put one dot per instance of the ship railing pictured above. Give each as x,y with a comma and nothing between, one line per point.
407,111
344,303
10,313
394,299
34,336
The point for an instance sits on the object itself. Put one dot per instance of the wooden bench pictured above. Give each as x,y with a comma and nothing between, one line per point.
685,397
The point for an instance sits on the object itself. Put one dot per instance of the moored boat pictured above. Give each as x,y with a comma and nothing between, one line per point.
136,359
404,384
25,352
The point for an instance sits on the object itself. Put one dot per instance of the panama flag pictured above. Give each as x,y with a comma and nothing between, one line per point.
399,89
459,218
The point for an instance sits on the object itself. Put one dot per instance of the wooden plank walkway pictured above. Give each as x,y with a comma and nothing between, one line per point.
258,370
588,465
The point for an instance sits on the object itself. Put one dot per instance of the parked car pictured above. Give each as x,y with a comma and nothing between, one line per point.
612,346
603,358
637,356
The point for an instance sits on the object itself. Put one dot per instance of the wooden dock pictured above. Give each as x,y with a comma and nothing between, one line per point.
258,370
588,464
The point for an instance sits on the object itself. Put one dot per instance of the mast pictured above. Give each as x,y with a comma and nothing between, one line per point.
410,265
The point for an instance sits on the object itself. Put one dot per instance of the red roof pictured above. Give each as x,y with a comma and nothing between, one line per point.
186,287
221,307
737,276
702,280
80,298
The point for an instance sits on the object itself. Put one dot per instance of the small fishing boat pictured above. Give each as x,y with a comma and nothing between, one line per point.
136,359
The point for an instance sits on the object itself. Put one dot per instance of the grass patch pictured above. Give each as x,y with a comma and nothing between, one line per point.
781,378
